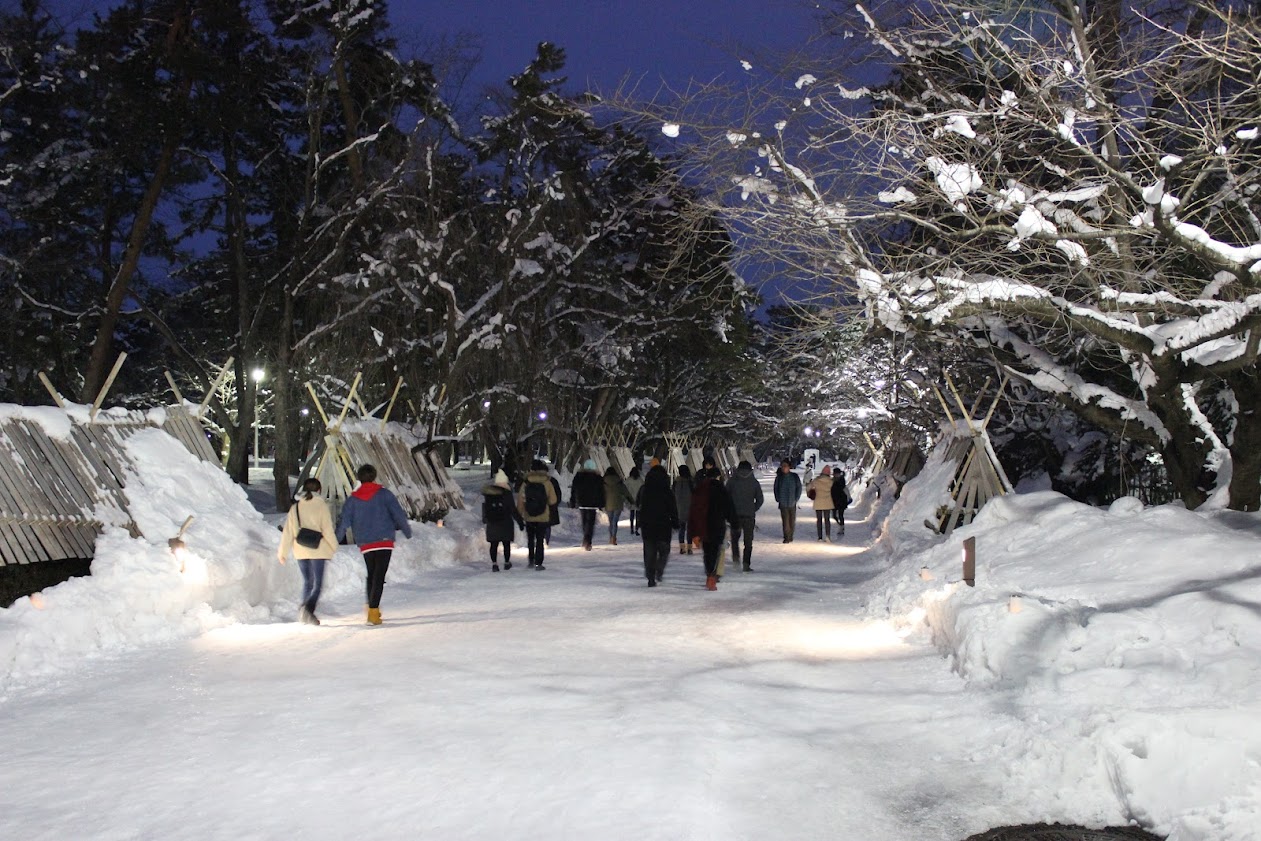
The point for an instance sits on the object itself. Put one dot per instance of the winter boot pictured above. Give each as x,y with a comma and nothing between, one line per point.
507,564
682,547
494,567
374,616
748,568
652,582
612,541
711,582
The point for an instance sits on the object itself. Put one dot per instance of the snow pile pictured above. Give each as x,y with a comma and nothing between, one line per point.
138,594
1126,640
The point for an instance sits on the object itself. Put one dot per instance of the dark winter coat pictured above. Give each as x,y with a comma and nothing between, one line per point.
538,477
372,514
840,497
500,530
614,492
683,491
658,512
587,490
787,489
711,513
746,492
554,519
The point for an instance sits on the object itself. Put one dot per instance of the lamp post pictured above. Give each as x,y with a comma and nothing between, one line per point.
257,375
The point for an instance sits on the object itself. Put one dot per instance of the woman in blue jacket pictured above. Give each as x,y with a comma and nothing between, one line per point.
372,515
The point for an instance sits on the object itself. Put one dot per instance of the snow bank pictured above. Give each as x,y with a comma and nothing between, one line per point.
1127,640
142,593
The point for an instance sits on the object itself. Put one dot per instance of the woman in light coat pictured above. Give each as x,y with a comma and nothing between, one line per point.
309,512
634,484
820,490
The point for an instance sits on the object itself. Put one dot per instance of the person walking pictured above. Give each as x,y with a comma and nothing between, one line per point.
308,533
586,493
683,501
840,501
787,491
633,483
820,490
554,509
372,515
658,518
709,519
537,501
499,512
614,501
746,499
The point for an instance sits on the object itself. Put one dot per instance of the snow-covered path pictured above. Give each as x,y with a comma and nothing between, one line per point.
573,703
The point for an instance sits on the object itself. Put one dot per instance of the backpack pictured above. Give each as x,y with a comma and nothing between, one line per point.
495,508
535,499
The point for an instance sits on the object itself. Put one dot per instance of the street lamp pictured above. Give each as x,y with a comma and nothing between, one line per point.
257,375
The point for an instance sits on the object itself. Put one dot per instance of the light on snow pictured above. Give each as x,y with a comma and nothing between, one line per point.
805,79
670,129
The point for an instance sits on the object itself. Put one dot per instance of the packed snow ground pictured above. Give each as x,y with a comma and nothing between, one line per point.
848,690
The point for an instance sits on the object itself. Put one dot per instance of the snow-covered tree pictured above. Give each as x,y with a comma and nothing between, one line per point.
1073,186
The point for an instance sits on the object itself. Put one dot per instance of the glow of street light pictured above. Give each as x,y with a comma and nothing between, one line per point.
808,431
542,416
258,374
485,404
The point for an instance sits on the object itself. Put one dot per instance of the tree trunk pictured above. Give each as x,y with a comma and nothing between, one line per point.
284,404
1186,450
238,466
102,347
1245,444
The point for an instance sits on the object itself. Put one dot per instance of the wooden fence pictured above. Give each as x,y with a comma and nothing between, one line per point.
57,488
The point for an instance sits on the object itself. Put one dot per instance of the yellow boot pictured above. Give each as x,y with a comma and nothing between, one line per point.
374,616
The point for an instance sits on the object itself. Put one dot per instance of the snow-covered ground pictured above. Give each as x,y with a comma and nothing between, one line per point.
1104,670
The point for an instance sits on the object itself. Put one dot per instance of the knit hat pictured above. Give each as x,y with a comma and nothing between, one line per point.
589,464
501,479
827,470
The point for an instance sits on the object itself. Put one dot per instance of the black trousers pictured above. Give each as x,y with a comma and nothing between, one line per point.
535,540
746,526
588,525
494,550
656,553
709,551
378,562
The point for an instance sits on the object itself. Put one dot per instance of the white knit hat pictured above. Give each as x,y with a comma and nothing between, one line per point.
501,479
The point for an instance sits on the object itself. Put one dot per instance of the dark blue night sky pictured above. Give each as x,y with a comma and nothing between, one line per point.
608,40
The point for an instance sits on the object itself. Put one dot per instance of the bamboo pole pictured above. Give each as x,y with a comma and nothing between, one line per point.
43,378
959,400
109,381
318,406
944,407
349,399
214,386
179,398
354,386
390,407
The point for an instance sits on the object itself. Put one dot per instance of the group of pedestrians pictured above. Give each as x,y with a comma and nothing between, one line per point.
371,515
703,511
828,496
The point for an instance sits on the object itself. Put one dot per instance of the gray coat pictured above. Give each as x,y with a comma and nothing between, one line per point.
746,492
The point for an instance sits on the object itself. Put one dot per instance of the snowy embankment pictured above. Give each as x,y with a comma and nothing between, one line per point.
141,592
1128,640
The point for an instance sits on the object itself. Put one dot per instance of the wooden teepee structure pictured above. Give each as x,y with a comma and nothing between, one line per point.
421,483
979,476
